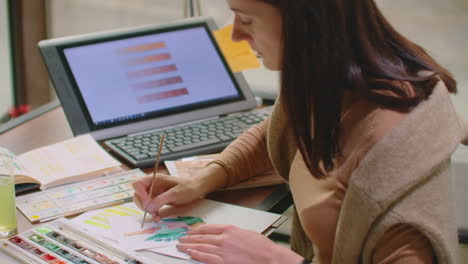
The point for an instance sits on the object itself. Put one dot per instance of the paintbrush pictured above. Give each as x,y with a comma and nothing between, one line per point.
154,174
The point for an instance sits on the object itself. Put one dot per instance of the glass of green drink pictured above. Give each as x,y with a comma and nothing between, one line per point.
7,198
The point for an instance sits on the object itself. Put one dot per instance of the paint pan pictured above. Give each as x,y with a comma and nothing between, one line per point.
80,248
32,249
56,249
78,197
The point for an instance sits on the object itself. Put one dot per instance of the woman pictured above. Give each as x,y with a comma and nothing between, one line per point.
363,131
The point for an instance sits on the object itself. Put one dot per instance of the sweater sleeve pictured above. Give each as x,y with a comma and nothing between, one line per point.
403,244
247,156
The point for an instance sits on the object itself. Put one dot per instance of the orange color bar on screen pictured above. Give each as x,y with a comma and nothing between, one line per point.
157,83
141,48
163,95
148,59
151,71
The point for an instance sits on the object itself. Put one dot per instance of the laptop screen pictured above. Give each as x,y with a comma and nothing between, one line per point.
130,80
143,76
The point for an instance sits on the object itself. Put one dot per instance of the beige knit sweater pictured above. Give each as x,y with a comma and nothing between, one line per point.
403,178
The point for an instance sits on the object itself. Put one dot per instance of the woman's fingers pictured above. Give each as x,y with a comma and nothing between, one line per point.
167,190
165,211
162,183
156,204
212,229
137,201
168,197
214,240
204,257
141,192
202,252
211,249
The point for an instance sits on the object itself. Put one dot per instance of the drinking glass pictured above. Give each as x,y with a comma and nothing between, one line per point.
7,198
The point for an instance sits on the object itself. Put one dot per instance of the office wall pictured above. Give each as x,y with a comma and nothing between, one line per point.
219,10
69,17
6,89
441,28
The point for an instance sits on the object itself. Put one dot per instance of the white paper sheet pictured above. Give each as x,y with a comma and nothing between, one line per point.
115,222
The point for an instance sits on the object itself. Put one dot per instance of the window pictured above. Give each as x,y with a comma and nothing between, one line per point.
6,83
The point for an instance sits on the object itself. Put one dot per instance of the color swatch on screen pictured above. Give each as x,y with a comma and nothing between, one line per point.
162,95
142,47
148,59
152,71
157,83
147,71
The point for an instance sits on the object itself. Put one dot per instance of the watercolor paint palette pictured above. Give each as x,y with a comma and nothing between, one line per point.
78,197
51,245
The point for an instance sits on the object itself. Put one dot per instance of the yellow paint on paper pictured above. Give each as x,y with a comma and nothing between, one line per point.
98,158
130,210
52,169
70,148
100,219
45,171
105,214
89,222
40,156
116,212
238,54
76,147
35,216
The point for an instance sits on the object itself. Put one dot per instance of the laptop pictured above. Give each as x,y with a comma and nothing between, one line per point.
126,87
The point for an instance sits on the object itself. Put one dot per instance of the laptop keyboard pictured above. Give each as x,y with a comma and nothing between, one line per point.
204,136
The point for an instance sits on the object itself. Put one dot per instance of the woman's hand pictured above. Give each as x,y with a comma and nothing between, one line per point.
166,190
226,244
173,190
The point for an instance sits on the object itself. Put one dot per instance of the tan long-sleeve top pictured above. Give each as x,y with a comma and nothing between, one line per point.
319,202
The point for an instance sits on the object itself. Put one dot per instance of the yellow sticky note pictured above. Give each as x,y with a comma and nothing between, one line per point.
238,54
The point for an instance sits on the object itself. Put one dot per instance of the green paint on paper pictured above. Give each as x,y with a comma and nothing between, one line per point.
168,234
189,220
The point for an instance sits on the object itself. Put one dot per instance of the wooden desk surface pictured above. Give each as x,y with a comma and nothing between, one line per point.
46,129
52,127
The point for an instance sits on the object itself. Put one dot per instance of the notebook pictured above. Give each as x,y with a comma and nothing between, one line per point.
117,84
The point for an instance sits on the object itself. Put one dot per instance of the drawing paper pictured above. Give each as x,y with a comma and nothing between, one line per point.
122,224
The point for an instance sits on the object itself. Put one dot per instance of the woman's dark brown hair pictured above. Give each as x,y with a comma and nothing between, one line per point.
330,46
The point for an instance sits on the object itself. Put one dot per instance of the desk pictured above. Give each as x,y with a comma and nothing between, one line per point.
52,127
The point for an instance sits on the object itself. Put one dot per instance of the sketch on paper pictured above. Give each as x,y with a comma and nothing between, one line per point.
153,235
168,229
122,224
